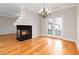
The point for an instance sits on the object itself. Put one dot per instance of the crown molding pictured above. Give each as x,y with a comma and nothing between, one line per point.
57,9
8,16
65,7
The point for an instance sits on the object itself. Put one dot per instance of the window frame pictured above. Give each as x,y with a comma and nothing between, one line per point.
62,25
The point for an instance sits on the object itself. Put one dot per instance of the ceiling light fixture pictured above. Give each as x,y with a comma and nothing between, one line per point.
44,12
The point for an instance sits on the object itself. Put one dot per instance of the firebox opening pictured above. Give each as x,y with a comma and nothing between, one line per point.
24,32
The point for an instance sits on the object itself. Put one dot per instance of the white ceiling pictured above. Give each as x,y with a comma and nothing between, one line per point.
12,9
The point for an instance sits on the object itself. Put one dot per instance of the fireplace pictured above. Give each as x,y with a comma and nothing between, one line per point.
24,32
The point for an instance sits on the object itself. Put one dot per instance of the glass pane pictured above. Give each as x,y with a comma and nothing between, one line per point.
49,26
55,26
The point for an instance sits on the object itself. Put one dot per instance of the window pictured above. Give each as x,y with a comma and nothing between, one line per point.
55,26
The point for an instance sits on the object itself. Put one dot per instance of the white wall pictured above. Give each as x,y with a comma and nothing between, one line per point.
69,17
6,25
30,18
44,26
77,41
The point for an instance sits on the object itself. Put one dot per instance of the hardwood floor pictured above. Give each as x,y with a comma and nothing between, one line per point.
41,45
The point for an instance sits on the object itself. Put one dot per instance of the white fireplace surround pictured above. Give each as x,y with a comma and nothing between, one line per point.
28,17
28,21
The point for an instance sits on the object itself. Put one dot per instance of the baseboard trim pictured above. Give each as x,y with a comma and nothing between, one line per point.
8,34
58,37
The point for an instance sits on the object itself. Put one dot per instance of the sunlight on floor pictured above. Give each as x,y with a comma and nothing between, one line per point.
49,42
58,44
58,47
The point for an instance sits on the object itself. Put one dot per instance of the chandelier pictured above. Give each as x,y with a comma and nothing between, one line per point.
44,12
